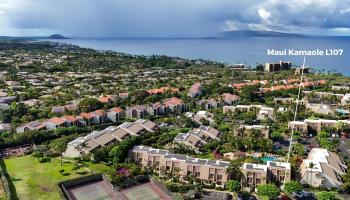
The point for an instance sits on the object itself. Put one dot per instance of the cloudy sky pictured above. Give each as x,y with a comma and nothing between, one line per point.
171,18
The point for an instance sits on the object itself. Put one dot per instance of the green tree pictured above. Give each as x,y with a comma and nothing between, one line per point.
312,167
326,196
90,104
268,190
233,186
249,93
59,145
298,149
292,186
120,151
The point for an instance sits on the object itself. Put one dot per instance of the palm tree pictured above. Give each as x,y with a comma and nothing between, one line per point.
234,170
311,166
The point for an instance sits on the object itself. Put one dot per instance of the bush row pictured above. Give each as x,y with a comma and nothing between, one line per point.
10,193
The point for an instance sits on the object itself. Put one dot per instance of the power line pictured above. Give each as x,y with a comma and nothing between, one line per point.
295,116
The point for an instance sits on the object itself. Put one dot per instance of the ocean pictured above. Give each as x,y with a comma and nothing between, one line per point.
244,50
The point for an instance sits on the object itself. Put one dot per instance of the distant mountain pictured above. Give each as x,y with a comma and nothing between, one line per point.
251,33
54,36
57,36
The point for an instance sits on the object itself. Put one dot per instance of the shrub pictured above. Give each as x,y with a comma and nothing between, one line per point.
268,190
233,186
44,160
326,196
37,154
292,186
82,172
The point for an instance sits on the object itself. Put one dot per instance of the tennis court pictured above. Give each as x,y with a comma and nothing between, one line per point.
93,191
145,191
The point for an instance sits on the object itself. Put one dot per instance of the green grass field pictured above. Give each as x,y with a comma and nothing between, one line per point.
35,180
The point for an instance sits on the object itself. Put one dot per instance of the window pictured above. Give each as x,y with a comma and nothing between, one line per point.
281,178
211,176
219,176
249,180
198,174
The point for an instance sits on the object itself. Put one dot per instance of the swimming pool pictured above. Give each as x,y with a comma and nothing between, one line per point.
268,158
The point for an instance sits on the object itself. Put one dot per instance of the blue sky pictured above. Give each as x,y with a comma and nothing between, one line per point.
171,18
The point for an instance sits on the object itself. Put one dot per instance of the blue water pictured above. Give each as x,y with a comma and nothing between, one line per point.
268,158
248,50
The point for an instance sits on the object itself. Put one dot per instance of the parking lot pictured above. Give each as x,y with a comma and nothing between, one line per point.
216,196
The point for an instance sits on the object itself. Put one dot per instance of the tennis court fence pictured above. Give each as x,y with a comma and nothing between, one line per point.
165,189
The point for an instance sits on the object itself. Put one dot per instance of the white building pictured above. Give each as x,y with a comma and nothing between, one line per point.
84,145
322,168
346,99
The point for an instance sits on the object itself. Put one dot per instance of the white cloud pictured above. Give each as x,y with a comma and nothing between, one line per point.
170,18
344,11
264,14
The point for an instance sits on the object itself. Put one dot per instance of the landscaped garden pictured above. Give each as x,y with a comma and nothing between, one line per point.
37,179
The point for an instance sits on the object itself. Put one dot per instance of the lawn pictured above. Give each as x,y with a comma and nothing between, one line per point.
35,180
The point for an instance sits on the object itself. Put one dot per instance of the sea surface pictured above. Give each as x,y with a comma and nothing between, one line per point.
246,50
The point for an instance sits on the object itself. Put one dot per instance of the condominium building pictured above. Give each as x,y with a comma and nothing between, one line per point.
203,170
322,168
84,145
314,124
340,87
272,172
253,175
246,130
196,138
200,116
265,113
324,109
262,111
272,67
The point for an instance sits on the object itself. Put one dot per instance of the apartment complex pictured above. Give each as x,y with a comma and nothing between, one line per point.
197,137
314,124
84,145
200,116
204,170
263,112
272,67
247,130
322,168
272,172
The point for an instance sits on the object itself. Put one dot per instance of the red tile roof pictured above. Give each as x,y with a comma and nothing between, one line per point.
163,90
116,109
98,112
230,96
104,99
86,115
56,120
173,101
195,88
70,118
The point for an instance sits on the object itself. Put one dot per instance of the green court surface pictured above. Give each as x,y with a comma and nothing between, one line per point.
143,193
95,193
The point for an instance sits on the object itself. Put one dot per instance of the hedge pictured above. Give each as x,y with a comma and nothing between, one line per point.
9,188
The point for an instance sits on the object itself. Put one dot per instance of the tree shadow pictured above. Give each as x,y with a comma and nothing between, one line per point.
13,192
